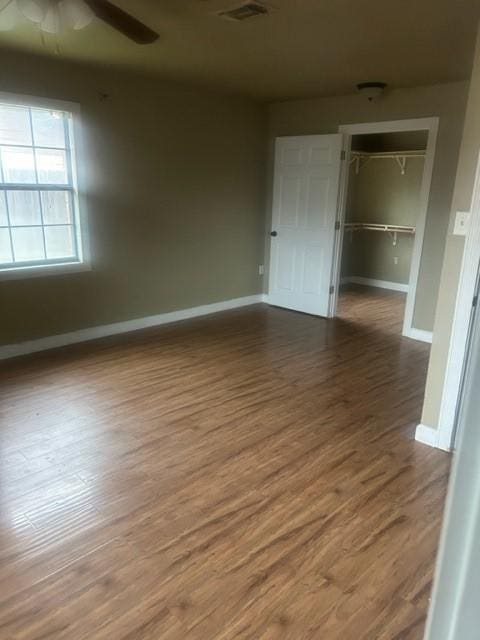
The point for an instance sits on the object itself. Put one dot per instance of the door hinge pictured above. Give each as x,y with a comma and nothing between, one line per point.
332,289
475,301
343,154
337,225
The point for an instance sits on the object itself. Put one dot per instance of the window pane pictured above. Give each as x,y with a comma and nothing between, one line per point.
37,224
14,125
59,242
51,166
18,165
56,207
5,249
24,208
48,128
28,244
3,210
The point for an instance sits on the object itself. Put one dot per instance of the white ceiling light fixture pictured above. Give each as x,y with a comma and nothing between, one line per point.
8,15
77,13
372,90
53,15
33,10
56,15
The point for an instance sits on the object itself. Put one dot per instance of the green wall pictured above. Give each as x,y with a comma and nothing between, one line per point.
175,186
380,194
446,101
174,183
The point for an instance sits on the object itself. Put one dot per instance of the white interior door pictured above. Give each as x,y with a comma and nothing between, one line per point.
305,201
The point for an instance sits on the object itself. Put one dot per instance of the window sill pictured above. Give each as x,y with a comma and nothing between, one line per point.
44,270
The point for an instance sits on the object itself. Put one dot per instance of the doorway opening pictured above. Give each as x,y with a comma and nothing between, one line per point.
418,133
382,210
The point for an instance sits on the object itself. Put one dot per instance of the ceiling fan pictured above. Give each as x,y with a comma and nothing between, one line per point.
54,15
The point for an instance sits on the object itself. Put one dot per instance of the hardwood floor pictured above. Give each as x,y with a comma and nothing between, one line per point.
250,475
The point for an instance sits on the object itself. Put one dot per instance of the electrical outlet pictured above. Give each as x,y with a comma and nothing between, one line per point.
261,269
395,260
462,219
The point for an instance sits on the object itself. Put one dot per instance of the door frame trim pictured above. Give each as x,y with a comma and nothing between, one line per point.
454,603
462,319
390,126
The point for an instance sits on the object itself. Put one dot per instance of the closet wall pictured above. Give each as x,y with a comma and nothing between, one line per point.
380,194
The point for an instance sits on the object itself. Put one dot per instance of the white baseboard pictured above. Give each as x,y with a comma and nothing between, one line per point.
426,435
92,333
419,334
381,284
431,437
444,441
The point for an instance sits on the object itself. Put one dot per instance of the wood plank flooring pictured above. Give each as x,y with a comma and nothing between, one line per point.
250,475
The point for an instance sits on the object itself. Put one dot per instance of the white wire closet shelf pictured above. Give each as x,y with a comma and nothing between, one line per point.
392,229
360,158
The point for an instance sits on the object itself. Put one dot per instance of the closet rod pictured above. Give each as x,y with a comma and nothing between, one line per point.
392,229
399,156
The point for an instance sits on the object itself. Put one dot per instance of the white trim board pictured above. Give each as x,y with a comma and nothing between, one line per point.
453,612
419,334
426,435
462,319
412,124
372,282
92,333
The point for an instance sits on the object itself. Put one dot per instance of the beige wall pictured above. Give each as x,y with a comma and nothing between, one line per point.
324,115
454,250
380,194
175,190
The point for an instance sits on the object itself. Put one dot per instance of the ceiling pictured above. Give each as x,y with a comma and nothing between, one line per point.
302,48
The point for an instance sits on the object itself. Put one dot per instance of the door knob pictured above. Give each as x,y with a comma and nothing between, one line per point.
274,234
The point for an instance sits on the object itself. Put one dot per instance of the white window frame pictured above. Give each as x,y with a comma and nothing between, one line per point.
79,205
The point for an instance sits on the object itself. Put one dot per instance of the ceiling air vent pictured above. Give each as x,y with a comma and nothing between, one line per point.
244,11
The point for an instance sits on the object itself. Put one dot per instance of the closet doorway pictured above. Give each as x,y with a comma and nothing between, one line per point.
386,185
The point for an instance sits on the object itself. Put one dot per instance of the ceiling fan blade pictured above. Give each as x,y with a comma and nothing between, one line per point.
122,21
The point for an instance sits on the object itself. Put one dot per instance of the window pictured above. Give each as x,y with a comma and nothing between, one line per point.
39,218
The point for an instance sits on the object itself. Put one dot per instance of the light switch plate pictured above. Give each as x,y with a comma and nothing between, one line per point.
462,218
